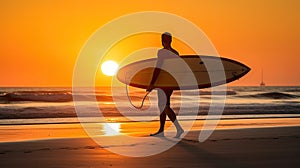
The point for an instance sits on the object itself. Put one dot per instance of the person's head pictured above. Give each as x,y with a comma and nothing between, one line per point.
166,39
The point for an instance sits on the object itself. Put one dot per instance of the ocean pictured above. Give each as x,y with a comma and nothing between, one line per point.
31,105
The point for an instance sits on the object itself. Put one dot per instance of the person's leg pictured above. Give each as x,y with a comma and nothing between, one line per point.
171,114
168,110
162,121
162,117
164,97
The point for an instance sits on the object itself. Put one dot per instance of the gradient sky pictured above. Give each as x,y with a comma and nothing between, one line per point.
40,40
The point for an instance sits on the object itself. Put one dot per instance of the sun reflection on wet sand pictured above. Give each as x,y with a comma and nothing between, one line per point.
11,133
111,129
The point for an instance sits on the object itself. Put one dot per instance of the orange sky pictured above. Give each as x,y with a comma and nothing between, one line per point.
40,40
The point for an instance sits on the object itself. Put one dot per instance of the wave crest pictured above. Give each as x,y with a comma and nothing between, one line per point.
272,95
43,96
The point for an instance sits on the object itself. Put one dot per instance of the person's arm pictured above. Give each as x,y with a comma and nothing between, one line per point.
155,75
161,55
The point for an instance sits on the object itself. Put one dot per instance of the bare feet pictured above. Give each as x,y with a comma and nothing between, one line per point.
158,134
179,132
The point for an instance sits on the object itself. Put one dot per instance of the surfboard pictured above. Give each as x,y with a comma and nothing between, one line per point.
183,73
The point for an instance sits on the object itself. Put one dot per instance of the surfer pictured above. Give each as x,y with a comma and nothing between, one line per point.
164,95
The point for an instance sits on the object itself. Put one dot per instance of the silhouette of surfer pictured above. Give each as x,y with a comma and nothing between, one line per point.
164,95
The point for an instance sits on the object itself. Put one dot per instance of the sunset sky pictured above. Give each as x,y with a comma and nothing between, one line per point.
40,40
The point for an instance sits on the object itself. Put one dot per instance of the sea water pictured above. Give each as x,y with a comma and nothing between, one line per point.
30,105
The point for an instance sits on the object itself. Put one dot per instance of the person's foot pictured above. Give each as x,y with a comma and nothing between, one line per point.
158,134
179,132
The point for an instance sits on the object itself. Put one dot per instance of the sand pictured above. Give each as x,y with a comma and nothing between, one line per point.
236,143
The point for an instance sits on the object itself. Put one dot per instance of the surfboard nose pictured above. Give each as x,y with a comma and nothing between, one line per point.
246,69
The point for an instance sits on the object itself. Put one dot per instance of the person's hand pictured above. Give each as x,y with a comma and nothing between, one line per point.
150,88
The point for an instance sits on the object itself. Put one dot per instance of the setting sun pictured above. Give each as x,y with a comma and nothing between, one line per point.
109,68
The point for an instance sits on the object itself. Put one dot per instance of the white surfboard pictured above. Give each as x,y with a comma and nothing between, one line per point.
184,72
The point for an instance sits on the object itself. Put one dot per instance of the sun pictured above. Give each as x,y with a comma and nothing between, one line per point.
109,68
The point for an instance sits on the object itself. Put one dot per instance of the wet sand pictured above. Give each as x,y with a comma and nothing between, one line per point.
235,143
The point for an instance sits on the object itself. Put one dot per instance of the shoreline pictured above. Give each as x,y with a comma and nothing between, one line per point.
116,119
13,133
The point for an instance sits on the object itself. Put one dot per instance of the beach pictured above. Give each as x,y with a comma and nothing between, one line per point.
42,127
238,143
